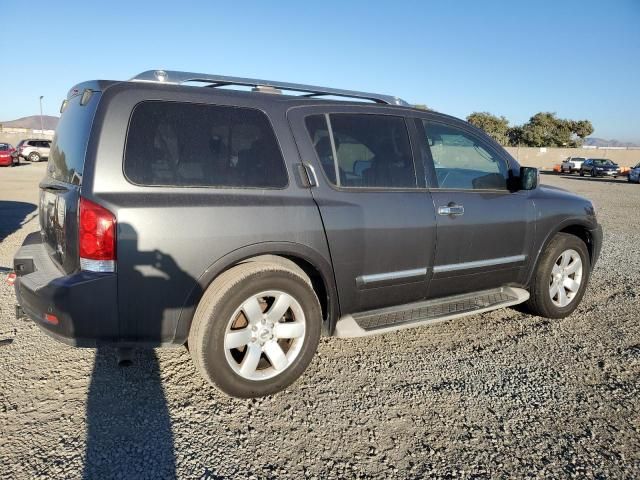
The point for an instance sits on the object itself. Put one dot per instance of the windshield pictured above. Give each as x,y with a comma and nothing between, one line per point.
602,161
4,147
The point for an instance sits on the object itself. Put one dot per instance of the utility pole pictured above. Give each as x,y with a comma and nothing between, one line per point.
41,122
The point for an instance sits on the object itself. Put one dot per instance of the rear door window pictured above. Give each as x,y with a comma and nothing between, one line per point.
184,144
363,150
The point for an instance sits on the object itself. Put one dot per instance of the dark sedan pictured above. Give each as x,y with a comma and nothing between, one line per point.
599,167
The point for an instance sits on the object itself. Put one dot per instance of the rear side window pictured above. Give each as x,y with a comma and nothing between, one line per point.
185,144
360,150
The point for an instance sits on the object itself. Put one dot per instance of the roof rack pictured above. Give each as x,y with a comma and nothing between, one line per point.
177,78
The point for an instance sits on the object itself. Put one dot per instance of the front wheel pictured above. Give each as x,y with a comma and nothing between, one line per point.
256,329
560,278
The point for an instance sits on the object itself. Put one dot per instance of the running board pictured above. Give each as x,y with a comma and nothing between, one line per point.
417,314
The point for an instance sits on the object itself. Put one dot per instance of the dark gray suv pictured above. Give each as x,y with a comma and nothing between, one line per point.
245,224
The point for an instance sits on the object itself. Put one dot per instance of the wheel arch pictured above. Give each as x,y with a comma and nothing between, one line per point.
312,262
577,227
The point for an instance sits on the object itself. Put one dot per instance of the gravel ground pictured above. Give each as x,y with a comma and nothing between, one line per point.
495,395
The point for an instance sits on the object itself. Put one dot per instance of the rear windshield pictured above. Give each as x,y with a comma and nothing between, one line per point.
66,158
185,144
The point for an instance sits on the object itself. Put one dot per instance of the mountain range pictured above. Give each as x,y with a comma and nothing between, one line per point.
33,122
601,142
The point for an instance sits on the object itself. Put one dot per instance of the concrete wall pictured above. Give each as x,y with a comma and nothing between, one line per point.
546,158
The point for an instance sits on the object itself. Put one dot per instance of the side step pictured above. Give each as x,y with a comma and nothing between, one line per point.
417,314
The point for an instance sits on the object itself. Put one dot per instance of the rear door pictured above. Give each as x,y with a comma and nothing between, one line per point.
378,217
485,231
60,189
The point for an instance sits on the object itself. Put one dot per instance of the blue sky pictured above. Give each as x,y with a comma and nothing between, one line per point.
580,59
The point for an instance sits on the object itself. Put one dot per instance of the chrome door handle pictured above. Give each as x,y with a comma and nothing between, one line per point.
451,210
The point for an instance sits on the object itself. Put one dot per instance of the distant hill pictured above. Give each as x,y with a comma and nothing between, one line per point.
601,142
33,122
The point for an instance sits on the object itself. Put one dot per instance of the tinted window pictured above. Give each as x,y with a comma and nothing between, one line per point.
462,160
4,147
183,144
371,150
66,158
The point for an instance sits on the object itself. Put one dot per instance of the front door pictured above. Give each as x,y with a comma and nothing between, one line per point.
484,230
378,216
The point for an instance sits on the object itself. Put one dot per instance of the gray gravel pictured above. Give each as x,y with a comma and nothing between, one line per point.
495,395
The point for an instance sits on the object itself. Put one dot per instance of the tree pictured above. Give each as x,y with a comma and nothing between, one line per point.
514,135
545,129
582,128
496,127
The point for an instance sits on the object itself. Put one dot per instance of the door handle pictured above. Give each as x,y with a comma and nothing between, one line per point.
451,210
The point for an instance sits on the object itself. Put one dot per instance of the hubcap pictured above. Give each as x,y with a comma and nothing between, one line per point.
566,277
264,335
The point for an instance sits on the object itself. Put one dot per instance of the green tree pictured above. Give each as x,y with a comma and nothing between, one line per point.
496,127
545,129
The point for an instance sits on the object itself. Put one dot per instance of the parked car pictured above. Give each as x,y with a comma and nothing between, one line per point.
246,223
7,159
571,165
599,167
33,149
634,174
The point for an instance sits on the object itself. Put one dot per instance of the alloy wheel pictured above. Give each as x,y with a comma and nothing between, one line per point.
566,278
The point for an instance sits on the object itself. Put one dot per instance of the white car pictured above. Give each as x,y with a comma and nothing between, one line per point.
572,165
634,174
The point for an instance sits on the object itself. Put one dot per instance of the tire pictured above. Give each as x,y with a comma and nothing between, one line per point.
34,157
222,307
540,302
581,173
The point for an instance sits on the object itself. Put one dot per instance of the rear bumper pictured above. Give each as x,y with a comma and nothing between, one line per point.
84,303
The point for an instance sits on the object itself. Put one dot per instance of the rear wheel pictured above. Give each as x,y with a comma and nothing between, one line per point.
256,329
34,157
560,278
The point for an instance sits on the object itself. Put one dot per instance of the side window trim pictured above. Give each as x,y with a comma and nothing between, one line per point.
432,182
334,150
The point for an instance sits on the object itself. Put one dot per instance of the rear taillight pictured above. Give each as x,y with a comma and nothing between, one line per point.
97,237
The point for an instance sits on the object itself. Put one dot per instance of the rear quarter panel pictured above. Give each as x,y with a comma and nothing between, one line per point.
168,238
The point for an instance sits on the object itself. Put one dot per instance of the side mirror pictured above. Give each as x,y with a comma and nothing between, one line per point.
529,178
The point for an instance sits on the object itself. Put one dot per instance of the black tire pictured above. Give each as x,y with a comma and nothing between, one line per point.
218,304
34,157
540,302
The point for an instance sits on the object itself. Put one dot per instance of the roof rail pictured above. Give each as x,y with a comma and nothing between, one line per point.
177,78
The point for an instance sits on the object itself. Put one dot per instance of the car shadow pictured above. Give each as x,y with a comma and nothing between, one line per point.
128,424
620,179
13,215
129,432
